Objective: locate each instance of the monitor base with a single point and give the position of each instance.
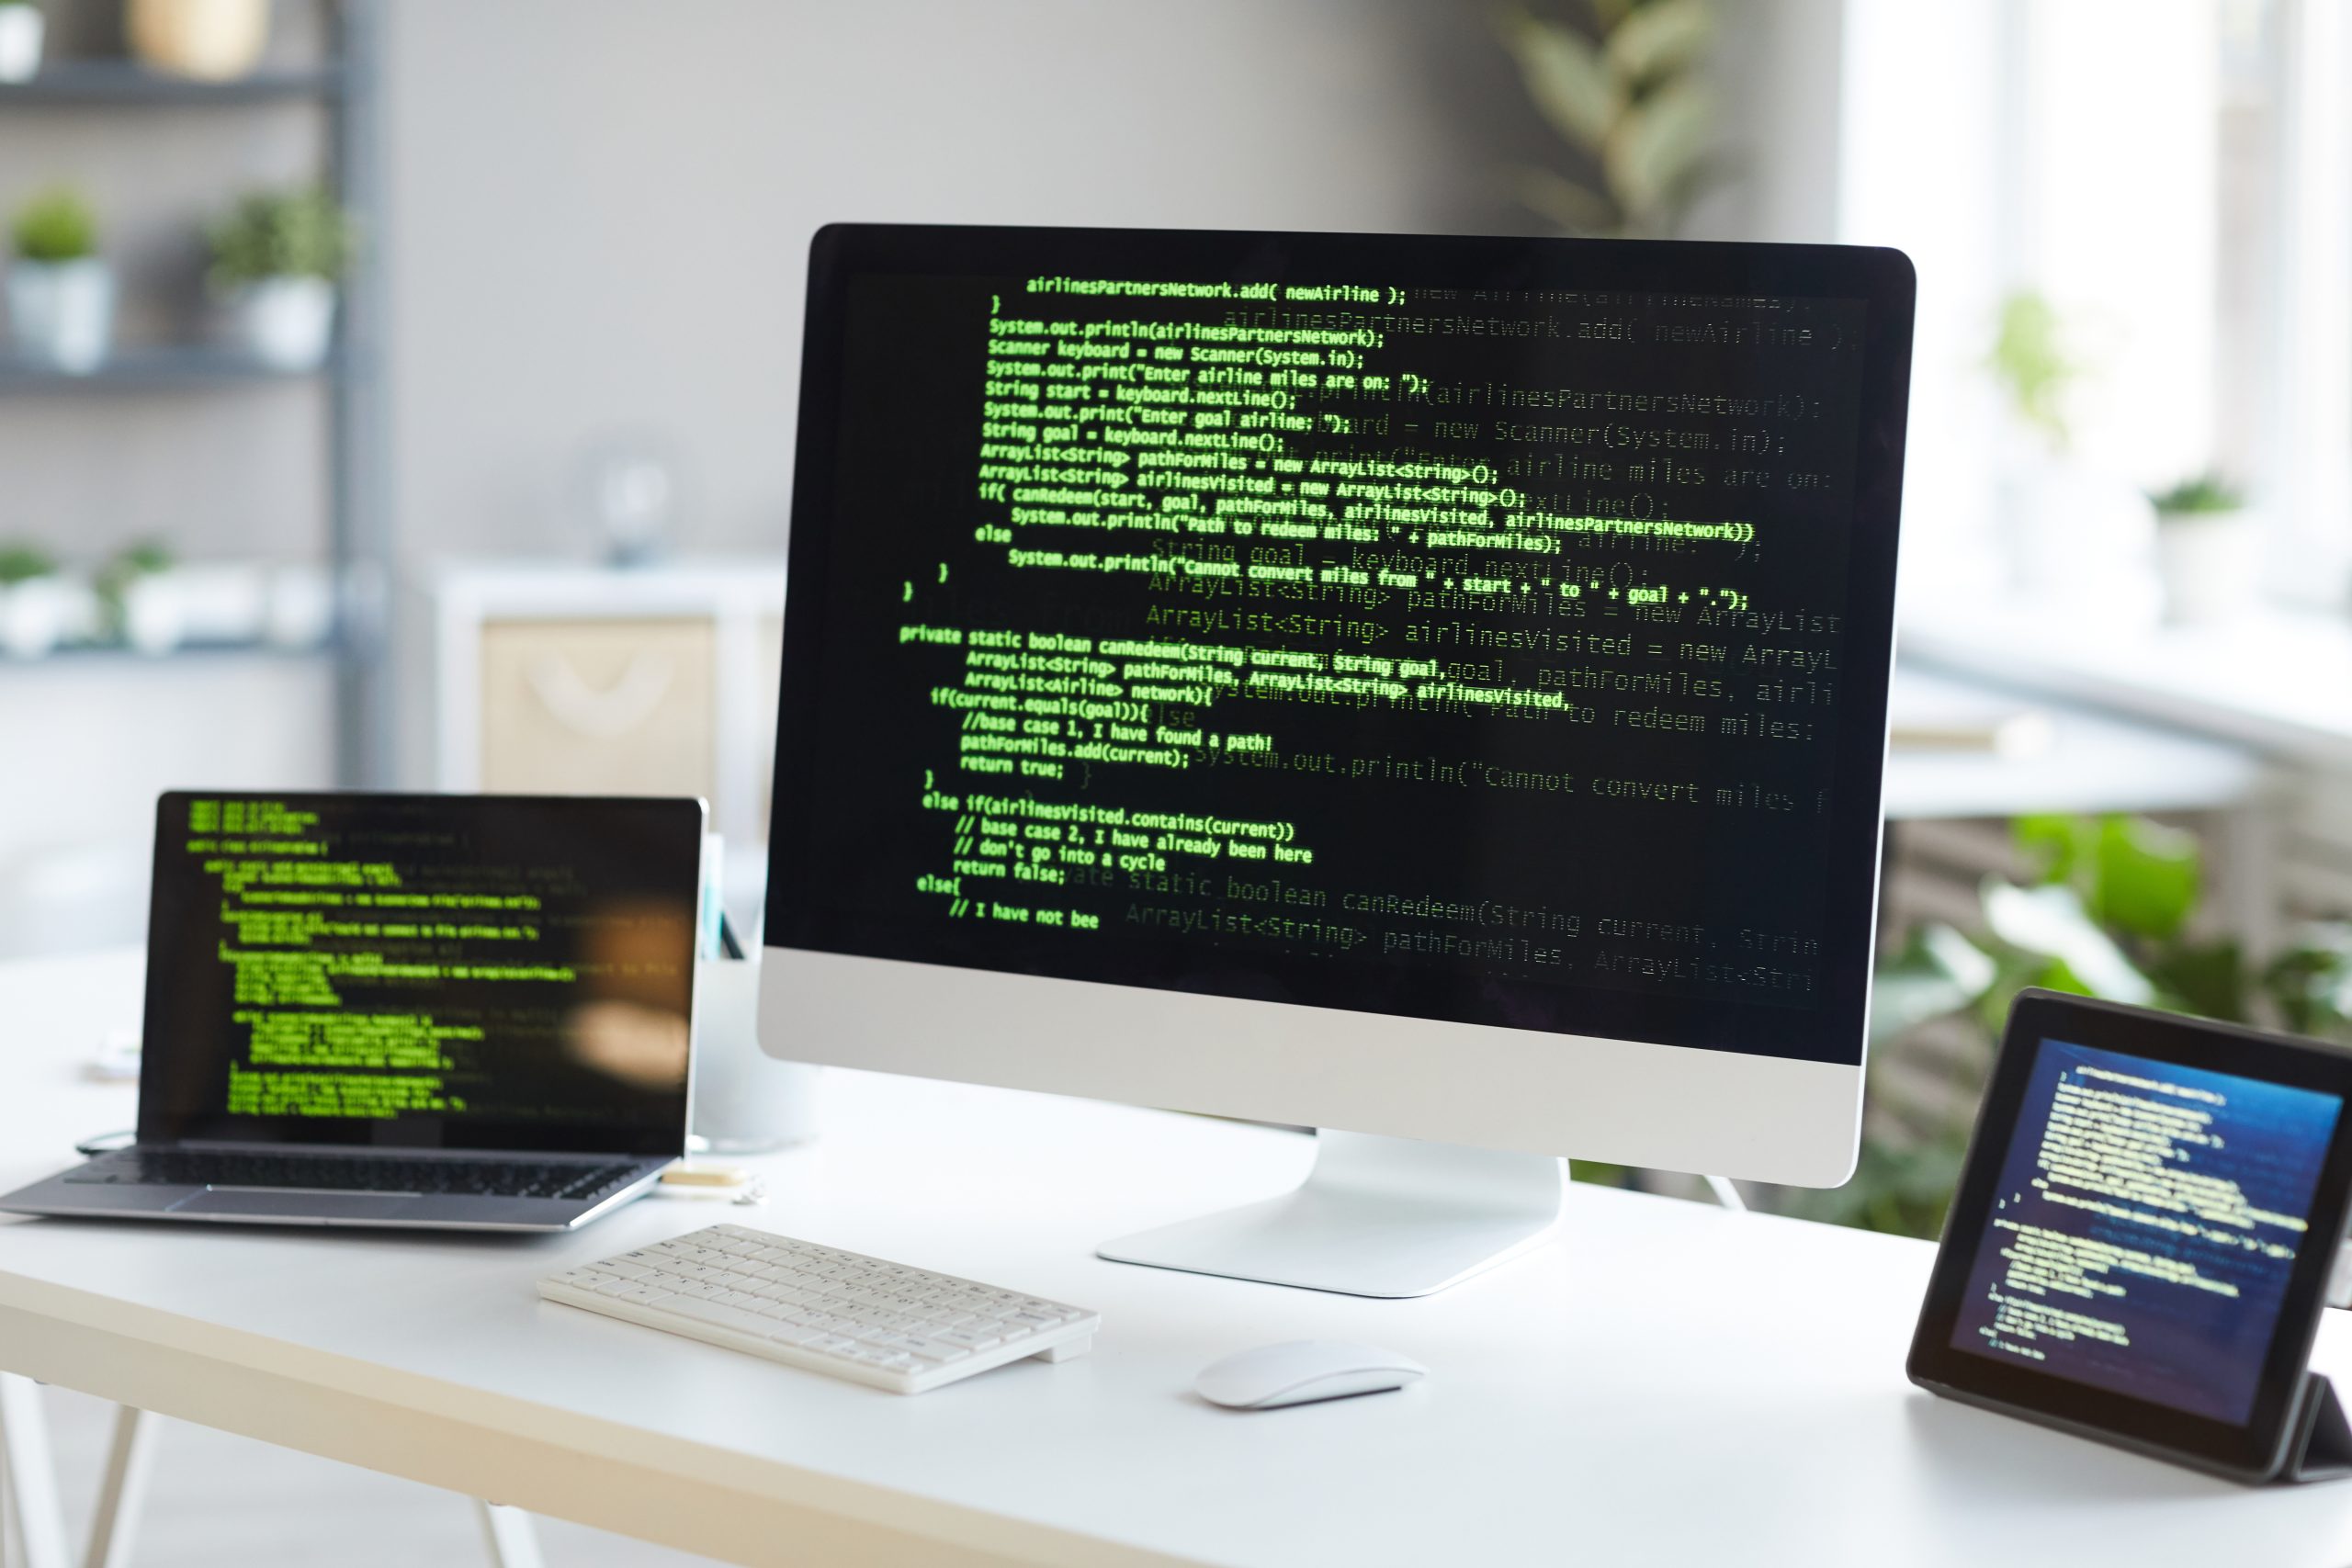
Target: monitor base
(1388, 1217)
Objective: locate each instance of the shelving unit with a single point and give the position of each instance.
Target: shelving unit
(127, 82)
(153, 368)
(344, 86)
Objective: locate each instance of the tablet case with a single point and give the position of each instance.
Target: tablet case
(2317, 1444)
(2321, 1449)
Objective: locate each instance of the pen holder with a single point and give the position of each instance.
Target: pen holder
(745, 1101)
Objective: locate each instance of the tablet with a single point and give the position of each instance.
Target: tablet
(2139, 1246)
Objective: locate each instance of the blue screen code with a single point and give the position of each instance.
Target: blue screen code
(2145, 1226)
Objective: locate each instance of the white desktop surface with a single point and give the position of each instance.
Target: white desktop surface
(1672, 1384)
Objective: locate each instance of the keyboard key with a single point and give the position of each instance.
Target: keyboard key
(643, 1294)
(938, 1350)
(721, 1316)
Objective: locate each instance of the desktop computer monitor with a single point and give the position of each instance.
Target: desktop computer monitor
(1430, 689)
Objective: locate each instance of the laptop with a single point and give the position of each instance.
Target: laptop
(469, 1012)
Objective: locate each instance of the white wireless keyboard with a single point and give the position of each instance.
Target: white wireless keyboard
(829, 1310)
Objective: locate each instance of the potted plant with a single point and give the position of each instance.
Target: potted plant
(33, 603)
(2112, 909)
(20, 39)
(138, 600)
(2208, 551)
(1630, 88)
(276, 257)
(2072, 530)
(60, 295)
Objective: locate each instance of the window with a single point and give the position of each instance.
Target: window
(2175, 178)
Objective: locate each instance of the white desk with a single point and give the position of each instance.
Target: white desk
(1675, 1384)
(2279, 681)
(2094, 761)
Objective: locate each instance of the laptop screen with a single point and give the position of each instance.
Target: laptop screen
(399, 971)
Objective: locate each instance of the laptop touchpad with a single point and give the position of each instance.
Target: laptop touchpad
(295, 1205)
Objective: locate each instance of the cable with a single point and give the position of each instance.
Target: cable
(100, 1145)
(1726, 1193)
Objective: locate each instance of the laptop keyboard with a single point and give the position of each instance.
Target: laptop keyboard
(355, 1173)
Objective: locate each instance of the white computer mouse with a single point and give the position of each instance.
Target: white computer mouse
(1303, 1371)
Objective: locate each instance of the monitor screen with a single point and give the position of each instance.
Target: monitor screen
(1488, 631)
(2144, 1227)
(422, 971)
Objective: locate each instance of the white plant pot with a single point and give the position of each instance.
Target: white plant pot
(34, 616)
(62, 313)
(745, 1101)
(222, 601)
(20, 39)
(2210, 564)
(286, 322)
(154, 613)
(301, 608)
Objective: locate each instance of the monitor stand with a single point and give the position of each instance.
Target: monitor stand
(1375, 1217)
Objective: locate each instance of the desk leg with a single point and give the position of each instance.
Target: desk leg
(123, 1496)
(509, 1534)
(27, 1477)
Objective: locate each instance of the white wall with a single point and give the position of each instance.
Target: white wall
(1777, 65)
(600, 208)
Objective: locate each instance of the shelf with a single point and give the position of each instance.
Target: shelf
(67, 82)
(158, 368)
(337, 84)
(102, 655)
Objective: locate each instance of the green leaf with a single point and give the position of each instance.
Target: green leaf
(2031, 362)
(1960, 958)
(2058, 845)
(2145, 878)
(1565, 78)
(1904, 1190)
(2052, 922)
(2198, 495)
(1577, 209)
(1659, 38)
(2205, 978)
(23, 563)
(1655, 150)
(2311, 983)
(1939, 972)
(1611, 13)
(293, 234)
(56, 225)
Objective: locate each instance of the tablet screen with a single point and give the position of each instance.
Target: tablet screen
(2145, 1226)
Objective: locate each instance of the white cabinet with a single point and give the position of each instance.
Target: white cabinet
(578, 679)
